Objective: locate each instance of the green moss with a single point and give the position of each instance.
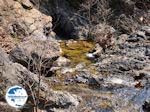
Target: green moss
(71, 87)
(76, 51)
(15, 38)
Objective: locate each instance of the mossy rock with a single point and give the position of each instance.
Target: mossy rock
(76, 51)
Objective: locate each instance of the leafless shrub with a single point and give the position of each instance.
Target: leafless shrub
(104, 35)
(127, 24)
(39, 66)
(103, 11)
(95, 12)
(130, 15)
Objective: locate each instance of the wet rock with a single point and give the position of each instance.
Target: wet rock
(147, 52)
(82, 79)
(146, 106)
(58, 99)
(95, 53)
(146, 29)
(136, 38)
(86, 78)
(142, 97)
(141, 34)
(90, 56)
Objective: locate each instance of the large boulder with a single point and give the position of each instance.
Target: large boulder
(67, 22)
(15, 74)
(62, 61)
(59, 99)
(35, 51)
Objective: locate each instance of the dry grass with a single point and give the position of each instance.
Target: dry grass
(127, 24)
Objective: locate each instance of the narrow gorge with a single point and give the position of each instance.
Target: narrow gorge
(76, 55)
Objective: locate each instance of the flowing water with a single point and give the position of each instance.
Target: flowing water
(108, 92)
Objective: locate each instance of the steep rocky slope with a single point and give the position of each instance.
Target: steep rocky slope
(21, 21)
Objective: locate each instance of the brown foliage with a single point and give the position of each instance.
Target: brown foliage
(104, 36)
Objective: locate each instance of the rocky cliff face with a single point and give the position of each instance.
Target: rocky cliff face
(68, 24)
(72, 19)
(23, 21)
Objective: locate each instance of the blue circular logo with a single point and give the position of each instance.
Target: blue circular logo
(16, 96)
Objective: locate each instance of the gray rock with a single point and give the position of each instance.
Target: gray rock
(135, 38)
(141, 34)
(147, 52)
(62, 61)
(146, 29)
(59, 99)
(65, 70)
(141, 98)
(146, 106)
(44, 49)
(86, 78)
(138, 36)
(25, 21)
(122, 39)
(103, 35)
(33, 52)
(80, 66)
(81, 79)
(16, 74)
(18, 30)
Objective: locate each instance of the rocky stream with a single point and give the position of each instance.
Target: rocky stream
(117, 81)
(76, 74)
